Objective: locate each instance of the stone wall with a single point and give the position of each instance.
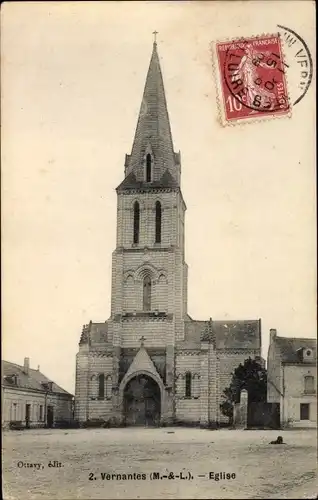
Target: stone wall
(295, 395)
(166, 268)
(16, 399)
(172, 212)
(90, 364)
(155, 331)
(274, 379)
(82, 384)
(62, 406)
(211, 373)
(187, 409)
(13, 406)
(164, 261)
(294, 379)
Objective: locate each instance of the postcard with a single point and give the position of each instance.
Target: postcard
(158, 250)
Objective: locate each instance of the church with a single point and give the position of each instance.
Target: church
(150, 363)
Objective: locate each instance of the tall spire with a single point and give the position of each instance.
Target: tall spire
(153, 134)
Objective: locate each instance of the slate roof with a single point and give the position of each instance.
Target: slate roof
(28, 381)
(195, 330)
(130, 182)
(153, 126)
(225, 334)
(289, 346)
(94, 333)
(244, 334)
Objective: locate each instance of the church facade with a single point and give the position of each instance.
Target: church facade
(150, 363)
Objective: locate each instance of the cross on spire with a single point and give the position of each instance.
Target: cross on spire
(155, 33)
(142, 341)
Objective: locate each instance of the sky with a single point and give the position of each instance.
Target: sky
(72, 82)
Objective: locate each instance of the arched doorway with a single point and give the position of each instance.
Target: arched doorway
(142, 402)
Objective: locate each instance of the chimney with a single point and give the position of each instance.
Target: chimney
(26, 365)
(272, 334)
(38, 368)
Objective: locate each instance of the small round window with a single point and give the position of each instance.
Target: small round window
(308, 353)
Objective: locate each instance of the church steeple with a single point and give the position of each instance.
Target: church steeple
(152, 160)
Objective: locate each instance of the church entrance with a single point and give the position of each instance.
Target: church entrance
(142, 402)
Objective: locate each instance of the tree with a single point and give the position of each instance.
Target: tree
(250, 376)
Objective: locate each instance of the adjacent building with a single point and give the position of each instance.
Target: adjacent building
(150, 362)
(292, 379)
(30, 399)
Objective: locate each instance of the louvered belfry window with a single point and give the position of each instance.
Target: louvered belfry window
(158, 222)
(136, 222)
(148, 168)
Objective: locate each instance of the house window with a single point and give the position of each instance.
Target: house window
(309, 384)
(147, 294)
(136, 221)
(158, 222)
(101, 386)
(12, 379)
(14, 411)
(148, 168)
(27, 415)
(304, 411)
(188, 380)
(41, 413)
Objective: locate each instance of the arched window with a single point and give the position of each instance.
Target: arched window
(188, 380)
(147, 294)
(158, 222)
(136, 221)
(108, 387)
(309, 384)
(148, 168)
(101, 386)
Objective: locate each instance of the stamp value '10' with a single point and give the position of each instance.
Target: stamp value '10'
(252, 79)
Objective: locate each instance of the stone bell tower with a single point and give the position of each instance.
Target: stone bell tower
(149, 273)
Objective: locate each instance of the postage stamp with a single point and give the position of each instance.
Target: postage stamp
(252, 79)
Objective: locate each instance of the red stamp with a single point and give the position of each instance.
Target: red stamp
(252, 78)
